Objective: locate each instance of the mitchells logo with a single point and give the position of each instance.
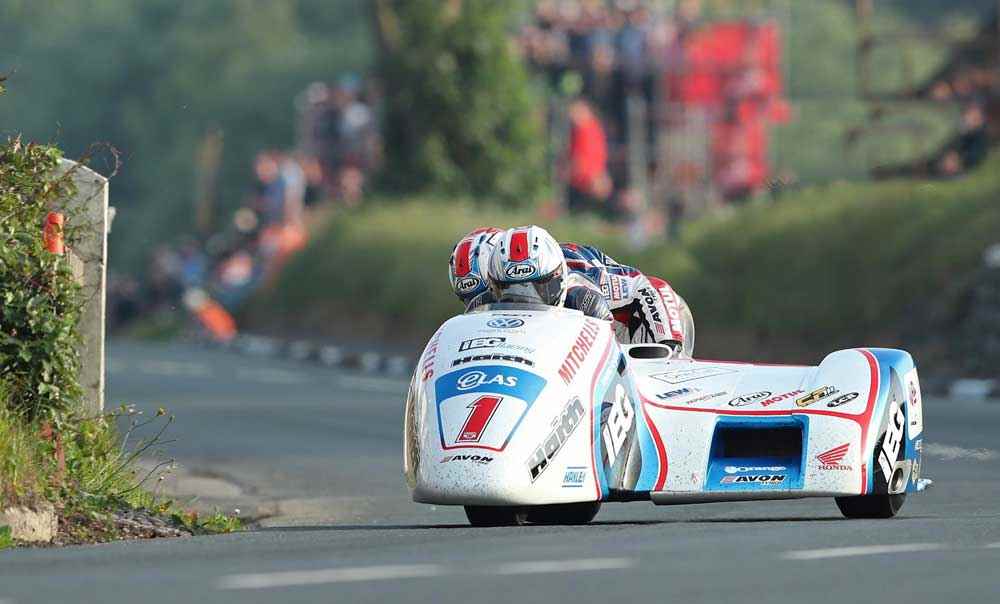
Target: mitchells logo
(505, 323)
(520, 271)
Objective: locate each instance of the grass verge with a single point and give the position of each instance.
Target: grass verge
(84, 468)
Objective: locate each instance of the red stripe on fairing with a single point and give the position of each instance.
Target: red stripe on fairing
(862, 420)
(869, 409)
(661, 451)
(462, 265)
(593, 385)
(519, 246)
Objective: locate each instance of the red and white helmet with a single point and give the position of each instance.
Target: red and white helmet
(528, 266)
(469, 259)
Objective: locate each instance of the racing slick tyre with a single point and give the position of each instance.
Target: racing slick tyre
(495, 515)
(871, 506)
(564, 513)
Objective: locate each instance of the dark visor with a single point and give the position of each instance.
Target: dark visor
(546, 291)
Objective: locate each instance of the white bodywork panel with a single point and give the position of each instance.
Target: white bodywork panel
(528, 407)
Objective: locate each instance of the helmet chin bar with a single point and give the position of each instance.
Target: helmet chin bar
(549, 291)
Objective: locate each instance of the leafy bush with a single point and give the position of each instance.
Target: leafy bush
(460, 113)
(39, 297)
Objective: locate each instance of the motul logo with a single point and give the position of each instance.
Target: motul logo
(831, 459)
(780, 397)
(673, 310)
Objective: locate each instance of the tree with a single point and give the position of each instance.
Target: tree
(460, 111)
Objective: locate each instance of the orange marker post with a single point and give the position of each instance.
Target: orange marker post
(52, 233)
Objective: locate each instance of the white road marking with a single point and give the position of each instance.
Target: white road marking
(330, 575)
(562, 566)
(411, 571)
(372, 384)
(265, 375)
(992, 546)
(6, 601)
(174, 368)
(951, 452)
(861, 550)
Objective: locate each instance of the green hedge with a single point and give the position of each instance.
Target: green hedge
(39, 299)
(385, 266)
(848, 263)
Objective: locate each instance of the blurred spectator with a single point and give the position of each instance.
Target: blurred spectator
(712, 86)
(338, 146)
(587, 156)
(973, 139)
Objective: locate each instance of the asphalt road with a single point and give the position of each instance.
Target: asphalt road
(330, 443)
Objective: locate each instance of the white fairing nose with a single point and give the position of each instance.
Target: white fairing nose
(493, 420)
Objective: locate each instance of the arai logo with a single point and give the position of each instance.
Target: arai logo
(474, 379)
(519, 271)
(467, 284)
(747, 399)
(504, 323)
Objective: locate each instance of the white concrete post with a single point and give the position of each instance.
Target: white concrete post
(89, 209)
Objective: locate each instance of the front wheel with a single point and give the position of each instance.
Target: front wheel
(564, 513)
(495, 515)
(871, 506)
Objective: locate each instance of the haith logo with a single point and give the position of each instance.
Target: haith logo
(831, 459)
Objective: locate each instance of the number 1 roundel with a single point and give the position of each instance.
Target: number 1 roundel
(482, 411)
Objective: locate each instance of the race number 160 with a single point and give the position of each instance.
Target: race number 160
(619, 422)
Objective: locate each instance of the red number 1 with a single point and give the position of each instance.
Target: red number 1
(482, 412)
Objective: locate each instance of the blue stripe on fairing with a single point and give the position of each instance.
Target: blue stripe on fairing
(888, 359)
(600, 389)
(650, 470)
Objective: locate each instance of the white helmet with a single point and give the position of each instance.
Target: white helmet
(468, 263)
(527, 265)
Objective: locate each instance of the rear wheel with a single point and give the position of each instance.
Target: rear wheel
(871, 506)
(564, 513)
(495, 515)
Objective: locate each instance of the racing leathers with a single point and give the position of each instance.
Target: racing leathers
(645, 308)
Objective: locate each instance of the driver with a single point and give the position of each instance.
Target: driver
(645, 308)
(527, 266)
